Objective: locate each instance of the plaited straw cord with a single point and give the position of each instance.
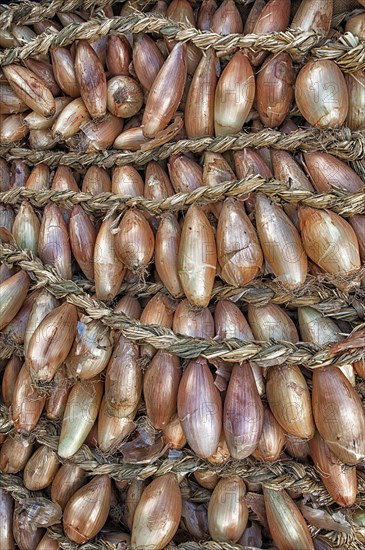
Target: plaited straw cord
(280, 474)
(27, 13)
(342, 143)
(347, 51)
(343, 203)
(232, 350)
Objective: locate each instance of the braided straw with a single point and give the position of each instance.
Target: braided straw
(342, 143)
(232, 350)
(347, 51)
(346, 204)
(27, 13)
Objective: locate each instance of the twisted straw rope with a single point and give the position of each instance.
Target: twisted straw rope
(27, 13)
(347, 51)
(345, 204)
(342, 143)
(232, 350)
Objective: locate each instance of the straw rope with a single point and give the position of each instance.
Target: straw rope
(345, 204)
(27, 13)
(342, 143)
(232, 350)
(347, 51)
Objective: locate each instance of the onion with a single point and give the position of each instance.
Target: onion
(64, 71)
(165, 93)
(243, 413)
(13, 292)
(328, 172)
(127, 181)
(112, 429)
(82, 239)
(96, 180)
(356, 113)
(199, 408)
(39, 178)
(286, 523)
(227, 510)
(312, 15)
(185, 174)
(163, 494)
(12, 129)
(56, 401)
(70, 119)
(44, 304)
(272, 439)
(321, 94)
(87, 510)
(31, 89)
(275, 93)
(40, 469)
(205, 16)
(166, 253)
(15, 453)
(274, 16)
(91, 79)
(134, 241)
(289, 400)
(227, 19)
(10, 375)
(339, 480)
(147, 59)
(118, 55)
(234, 101)
(280, 243)
(6, 515)
(329, 240)
(125, 97)
(271, 322)
(339, 415)
(108, 268)
(239, 251)
(54, 245)
(199, 108)
(66, 482)
(28, 402)
(197, 257)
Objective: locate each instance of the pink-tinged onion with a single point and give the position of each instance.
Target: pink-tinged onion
(109, 270)
(340, 480)
(166, 92)
(91, 78)
(280, 243)
(339, 414)
(328, 172)
(272, 439)
(200, 408)
(243, 413)
(166, 253)
(156, 531)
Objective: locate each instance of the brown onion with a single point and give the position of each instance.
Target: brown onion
(227, 510)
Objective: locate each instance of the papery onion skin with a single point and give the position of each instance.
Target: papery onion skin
(158, 514)
(200, 408)
(338, 414)
(287, 525)
(227, 510)
(321, 94)
(314, 15)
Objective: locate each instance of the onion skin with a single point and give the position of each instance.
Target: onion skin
(125, 97)
(66, 482)
(173, 434)
(272, 439)
(328, 172)
(31, 89)
(44, 304)
(321, 94)
(134, 242)
(15, 452)
(51, 342)
(112, 429)
(289, 400)
(147, 59)
(339, 480)
(163, 373)
(82, 239)
(313, 15)
(271, 322)
(190, 321)
(6, 520)
(40, 469)
(56, 401)
(338, 414)
(274, 85)
(199, 108)
(280, 243)
(356, 114)
(357, 223)
(123, 381)
(197, 262)
(229, 116)
(158, 514)
(13, 292)
(108, 269)
(243, 414)
(227, 510)
(168, 238)
(91, 78)
(239, 251)
(80, 414)
(287, 525)
(165, 93)
(87, 510)
(200, 408)
(329, 240)
(28, 402)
